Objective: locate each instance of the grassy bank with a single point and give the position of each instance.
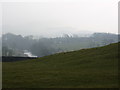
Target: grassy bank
(87, 68)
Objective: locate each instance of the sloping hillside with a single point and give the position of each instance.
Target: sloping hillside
(87, 68)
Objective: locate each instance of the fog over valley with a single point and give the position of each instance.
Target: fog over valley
(51, 19)
(59, 43)
(48, 27)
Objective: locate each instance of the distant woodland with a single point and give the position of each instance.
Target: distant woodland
(14, 45)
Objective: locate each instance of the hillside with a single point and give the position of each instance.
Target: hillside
(86, 68)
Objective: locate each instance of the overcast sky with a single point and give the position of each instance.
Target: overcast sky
(53, 17)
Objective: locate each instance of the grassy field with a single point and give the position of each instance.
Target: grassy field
(87, 68)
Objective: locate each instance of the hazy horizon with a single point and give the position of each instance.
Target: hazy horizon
(55, 18)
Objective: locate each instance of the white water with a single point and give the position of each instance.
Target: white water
(29, 54)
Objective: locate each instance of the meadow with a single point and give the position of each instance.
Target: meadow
(86, 68)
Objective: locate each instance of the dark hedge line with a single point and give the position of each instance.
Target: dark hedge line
(12, 59)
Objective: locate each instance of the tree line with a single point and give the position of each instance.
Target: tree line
(14, 45)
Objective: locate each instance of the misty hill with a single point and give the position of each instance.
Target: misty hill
(86, 68)
(47, 46)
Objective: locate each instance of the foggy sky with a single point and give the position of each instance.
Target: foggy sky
(56, 17)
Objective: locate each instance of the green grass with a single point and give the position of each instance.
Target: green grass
(87, 68)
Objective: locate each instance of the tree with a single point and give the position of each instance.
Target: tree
(6, 51)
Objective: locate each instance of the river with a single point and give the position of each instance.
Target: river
(29, 54)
